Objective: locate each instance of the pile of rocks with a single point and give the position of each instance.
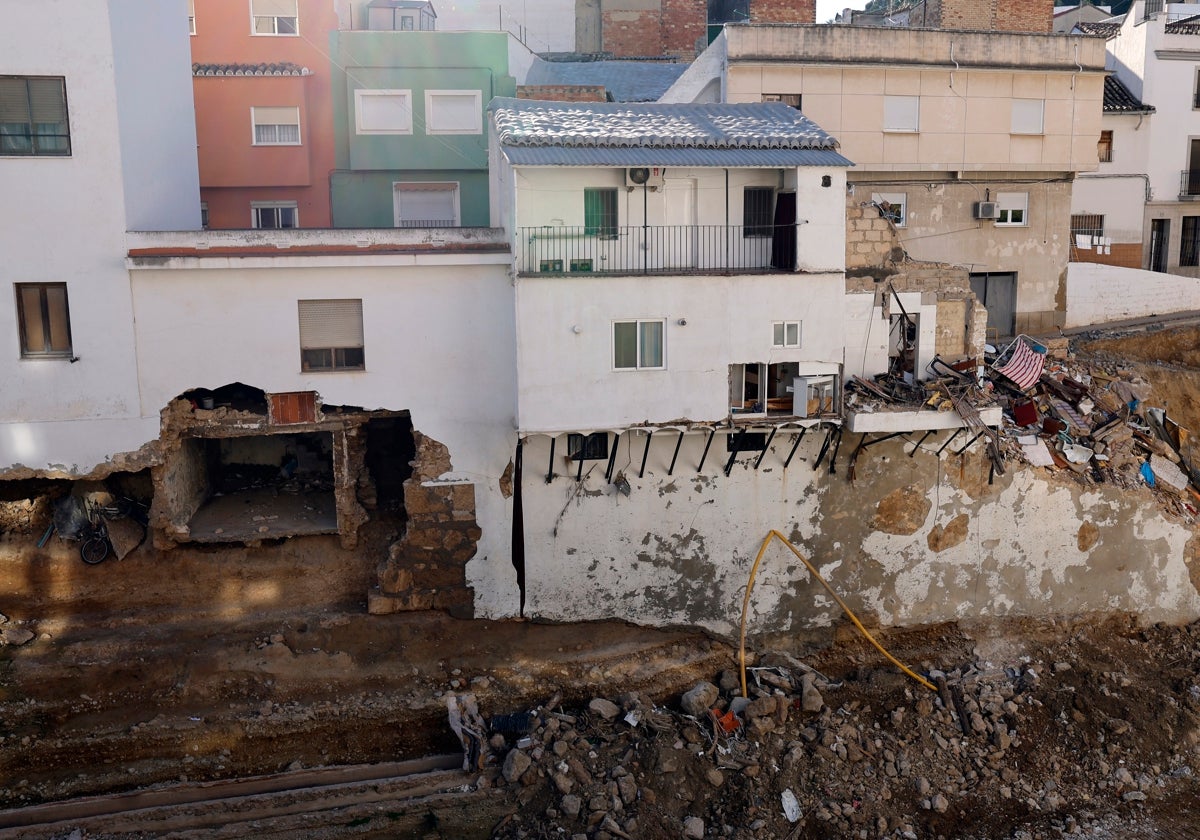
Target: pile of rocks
(804, 756)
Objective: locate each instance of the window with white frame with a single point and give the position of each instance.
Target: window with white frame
(785, 334)
(331, 334)
(191, 17)
(900, 113)
(33, 116)
(276, 126)
(1028, 116)
(892, 206)
(273, 215)
(453, 112)
(638, 345)
(383, 111)
(1014, 209)
(274, 17)
(43, 320)
(422, 204)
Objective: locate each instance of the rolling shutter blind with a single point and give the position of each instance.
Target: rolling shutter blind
(274, 8)
(330, 323)
(455, 112)
(276, 116)
(426, 204)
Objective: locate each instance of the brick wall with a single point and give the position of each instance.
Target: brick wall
(1127, 255)
(985, 15)
(563, 93)
(684, 28)
(783, 11)
(627, 33)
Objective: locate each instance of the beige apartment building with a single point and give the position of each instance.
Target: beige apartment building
(968, 141)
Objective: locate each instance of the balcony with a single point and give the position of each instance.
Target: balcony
(1189, 184)
(671, 249)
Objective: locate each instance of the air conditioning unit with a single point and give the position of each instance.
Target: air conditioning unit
(987, 210)
(644, 176)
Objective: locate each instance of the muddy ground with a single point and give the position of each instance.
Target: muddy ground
(1085, 727)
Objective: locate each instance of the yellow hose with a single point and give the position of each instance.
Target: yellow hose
(773, 534)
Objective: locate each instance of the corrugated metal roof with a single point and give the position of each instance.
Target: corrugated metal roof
(634, 156)
(1119, 100)
(625, 81)
(599, 125)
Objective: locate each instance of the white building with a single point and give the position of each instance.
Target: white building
(679, 309)
(1153, 55)
(97, 136)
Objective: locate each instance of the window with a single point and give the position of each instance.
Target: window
(1196, 90)
(191, 17)
(758, 209)
(274, 214)
(1104, 148)
(383, 111)
(785, 334)
(638, 345)
(593, 447)
(406, 23)
(1087, 224)
(274, 17)
(276, 126)
(1027, 116)
(1014, 209)
(43, 320)
(424, 204)
(900, 113)
(1189, 244)
(204, 215)
(33, 116)
(453, 112)
(600, 212)
(331, 334)
(892, 206)
(792, 99)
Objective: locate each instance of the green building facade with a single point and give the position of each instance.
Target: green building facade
(410, 130)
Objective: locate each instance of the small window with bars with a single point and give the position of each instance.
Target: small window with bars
(1086, 224)
(758, 208)
(600, 212)
(1104, 148)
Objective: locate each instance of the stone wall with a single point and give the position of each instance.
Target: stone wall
(426, 568)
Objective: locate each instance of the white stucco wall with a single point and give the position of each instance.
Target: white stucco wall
(439, 338)
(1097, 294)
(565, 333)
(678, 549)
(1117, 190)
(68, 226)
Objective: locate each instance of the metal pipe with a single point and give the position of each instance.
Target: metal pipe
(711, 434)
(737, 446)
(795, 446)
(766, 446)
(678, 443)
(645, 453)
(921, 441)
(968, 446)
(957, 432)
(550, 466)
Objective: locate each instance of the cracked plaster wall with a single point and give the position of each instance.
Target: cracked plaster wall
(912, 541)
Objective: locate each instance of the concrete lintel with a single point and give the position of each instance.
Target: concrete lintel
(914, 421)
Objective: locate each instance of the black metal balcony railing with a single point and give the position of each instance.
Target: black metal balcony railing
(1189, 183)
(669, 249)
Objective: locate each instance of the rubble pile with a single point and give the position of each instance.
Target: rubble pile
(1093, 421)
(1022, 750)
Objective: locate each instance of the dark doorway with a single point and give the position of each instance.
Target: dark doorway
(997, 291)
(783, 245)
(1160, 239)
(390, 452)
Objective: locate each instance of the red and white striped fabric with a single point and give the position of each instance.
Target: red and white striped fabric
(1024, 366)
